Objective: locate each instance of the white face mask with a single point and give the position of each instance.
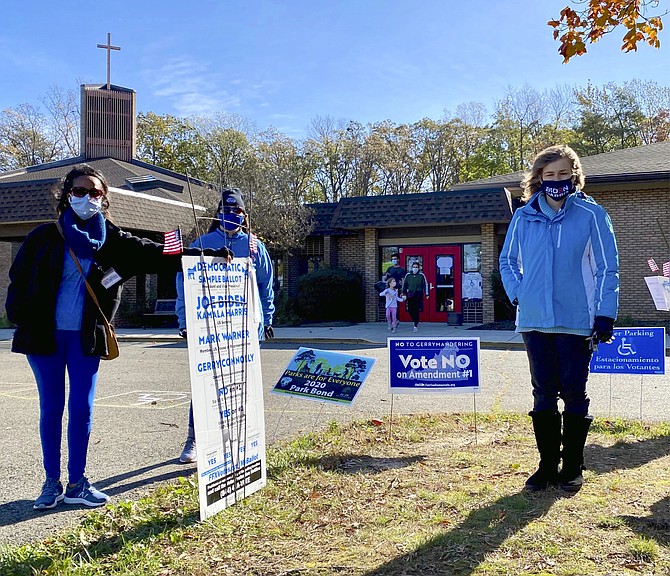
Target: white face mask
(85, 207)
(415, 270)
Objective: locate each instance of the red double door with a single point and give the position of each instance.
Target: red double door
(442, 267)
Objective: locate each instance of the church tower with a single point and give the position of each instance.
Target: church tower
(108, 128)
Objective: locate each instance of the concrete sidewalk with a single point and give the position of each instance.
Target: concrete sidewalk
(364, 333)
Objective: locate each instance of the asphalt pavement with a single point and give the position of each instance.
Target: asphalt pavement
(142, 404)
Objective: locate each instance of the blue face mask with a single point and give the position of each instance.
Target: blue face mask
(231, 221)
(558, 189)
(85, 207)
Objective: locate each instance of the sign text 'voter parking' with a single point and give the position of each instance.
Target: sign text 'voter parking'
(632, 351)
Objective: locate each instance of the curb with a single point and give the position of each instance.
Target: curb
(315, 340)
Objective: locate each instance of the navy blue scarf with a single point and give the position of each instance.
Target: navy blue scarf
(85, 237)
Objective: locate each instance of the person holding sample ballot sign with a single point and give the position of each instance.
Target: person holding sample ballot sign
(65, 287)
(230, 230)
(560, 266)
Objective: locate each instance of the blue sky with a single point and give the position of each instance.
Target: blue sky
(282, 63)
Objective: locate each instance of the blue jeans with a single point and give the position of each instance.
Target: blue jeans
(559, 368)
(49, 371)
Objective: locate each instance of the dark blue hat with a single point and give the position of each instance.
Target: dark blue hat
(232, 197)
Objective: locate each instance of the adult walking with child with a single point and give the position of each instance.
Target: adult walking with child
(414, 287)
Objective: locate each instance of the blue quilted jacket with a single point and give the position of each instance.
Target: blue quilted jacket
(563, 271)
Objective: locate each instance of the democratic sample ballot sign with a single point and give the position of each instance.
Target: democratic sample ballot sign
(632, 351)
(325, 376)
(222, 317)
(433, 365)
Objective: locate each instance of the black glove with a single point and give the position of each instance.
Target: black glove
(603, 329)
(182, 333)
(220, 252)
(268, 332)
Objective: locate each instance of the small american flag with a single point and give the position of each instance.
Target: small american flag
(253, 245)
(666, 269)
(173, 243)
(652, 265)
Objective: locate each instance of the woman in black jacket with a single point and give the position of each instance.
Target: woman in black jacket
(60, 328)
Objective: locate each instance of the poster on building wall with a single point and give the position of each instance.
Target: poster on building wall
(659, 288)
(472, 285)
(222, 315)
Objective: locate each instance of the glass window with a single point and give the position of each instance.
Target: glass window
(444, 283)
(385, 259)
(278, 269)
(411, 260)
(472, 257)
(314, 263)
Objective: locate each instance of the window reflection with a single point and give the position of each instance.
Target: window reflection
(444, 283)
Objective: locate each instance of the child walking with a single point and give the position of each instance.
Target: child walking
(392, 299)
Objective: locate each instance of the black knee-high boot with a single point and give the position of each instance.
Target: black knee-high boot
(575, 430)
(547, 429)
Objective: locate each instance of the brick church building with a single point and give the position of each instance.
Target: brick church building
(457, 235)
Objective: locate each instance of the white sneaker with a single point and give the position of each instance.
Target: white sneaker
(415, 329)
(84, 493)
(189, 454)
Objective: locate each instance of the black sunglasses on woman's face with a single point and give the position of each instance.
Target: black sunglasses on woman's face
(80, 192)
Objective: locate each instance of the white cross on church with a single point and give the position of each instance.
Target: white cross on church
(109, 49)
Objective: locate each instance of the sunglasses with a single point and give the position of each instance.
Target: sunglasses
(231, 210)
(80, 192)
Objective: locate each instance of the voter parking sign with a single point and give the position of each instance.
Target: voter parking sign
(632, 351)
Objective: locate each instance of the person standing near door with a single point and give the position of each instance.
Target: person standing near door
(414, 287)
(560, 264)
(395, 270)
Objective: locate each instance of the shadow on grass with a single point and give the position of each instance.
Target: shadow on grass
(40, 560)
(346, 464)
(364, 464)
(656, 526)
(22, 510)
(461, 550)
(625, 455)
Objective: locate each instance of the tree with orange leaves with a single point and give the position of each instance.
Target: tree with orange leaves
(574, 29)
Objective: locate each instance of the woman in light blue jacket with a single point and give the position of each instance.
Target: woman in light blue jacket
(560, 265)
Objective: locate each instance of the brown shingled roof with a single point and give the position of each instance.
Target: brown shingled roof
(650, 162)
(26, 194)
(426, 209)
(31, 201)
(322, 217)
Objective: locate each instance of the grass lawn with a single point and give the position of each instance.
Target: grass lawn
(432, 499)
